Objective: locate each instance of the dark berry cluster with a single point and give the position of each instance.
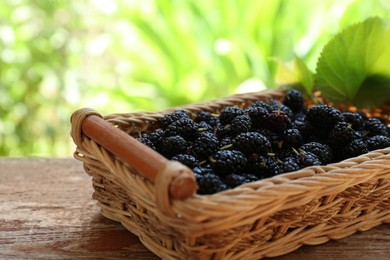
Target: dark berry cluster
(246, 143)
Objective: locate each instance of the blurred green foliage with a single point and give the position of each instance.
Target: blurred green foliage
(125, 56)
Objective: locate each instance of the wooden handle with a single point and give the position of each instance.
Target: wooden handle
(144, 159)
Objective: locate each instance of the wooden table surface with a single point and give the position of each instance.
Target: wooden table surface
(46, 212)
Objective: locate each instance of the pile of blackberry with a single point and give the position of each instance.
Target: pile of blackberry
(246, 143)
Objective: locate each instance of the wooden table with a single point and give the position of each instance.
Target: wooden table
(46, 212)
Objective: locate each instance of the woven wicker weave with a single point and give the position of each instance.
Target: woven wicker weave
(261, 219)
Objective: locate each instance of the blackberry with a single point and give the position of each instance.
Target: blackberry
(184, 127)
(305, 128)
(290, 164)
(316, 137)
(355, 119)
(259, 116)
(275, 106)
(207, 117)
(306, 159)
(226, 143)
(242, 123)
(223, 131)
(354, 148)
(282, 154)
(364, 115)
(229, 113)
(360, 134)
(204, 127)
(252, 142)
(225, 161)
(263, 166)
(322, 151)
(170, 118)
(294, 100)
(209, 183)
(278, 121)
(272, 137)
(172, 145)
(374, 126)
(261, 103)
(272, 168)
(341, 134)
(256, 164)
(233, 180)
(291, 138)
(205, 145)
(273, 103)
(250, 177)
(146, 141)
(324, 117)
(187, 160)
(202, 170)
(378, 142)
(299, 115)
(155, 136)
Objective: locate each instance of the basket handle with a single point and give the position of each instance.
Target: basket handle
(147, 162)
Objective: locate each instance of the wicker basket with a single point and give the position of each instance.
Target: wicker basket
(155, 198)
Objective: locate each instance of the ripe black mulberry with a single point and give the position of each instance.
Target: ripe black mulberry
(224, 162)
(252, 142)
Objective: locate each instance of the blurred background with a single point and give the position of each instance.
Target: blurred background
(127, 55)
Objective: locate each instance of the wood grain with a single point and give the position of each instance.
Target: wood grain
(46, 212)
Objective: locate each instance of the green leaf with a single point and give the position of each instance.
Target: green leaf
(295, 73)
(354, 65)
(375, 90)
(307, 77)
